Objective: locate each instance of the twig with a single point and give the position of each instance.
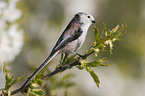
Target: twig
(61, 69)
(58, 70)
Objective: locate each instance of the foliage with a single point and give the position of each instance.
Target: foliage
(102, 39)
(9, 80)
(37, 88)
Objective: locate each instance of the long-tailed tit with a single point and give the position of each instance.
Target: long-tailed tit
(70, 40)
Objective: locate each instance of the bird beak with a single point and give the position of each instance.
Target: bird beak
(93, 21)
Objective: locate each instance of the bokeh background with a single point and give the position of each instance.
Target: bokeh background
(41, 23)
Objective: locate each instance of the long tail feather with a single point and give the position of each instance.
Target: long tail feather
(48, 59)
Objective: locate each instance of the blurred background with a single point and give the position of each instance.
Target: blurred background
(30, 28)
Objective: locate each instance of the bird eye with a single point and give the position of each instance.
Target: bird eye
(89, 17)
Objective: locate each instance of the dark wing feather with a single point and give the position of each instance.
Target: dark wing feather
(71, 33)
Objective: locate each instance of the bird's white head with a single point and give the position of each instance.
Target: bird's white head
(85, 19)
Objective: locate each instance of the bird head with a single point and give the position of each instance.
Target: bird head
(85, 18)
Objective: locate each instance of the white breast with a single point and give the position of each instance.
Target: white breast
(77, 44)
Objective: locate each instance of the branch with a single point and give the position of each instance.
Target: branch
(56, 71)
(61, 69)
(102, 39)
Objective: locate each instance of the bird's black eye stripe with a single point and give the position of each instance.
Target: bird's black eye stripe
(88, 16)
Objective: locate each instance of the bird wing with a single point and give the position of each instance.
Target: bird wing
(62, 43)
(71, 33)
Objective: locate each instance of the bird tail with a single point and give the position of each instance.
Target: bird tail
(47, 60)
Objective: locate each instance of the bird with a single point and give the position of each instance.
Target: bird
(71, 39)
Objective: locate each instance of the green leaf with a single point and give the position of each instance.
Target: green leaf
(99, 62)
(109, 42)
(111, 46)
(105, 30)
(115, 29)
(8, 76)
(34, 85)
(96, 50)
(37, 79)
(15, 81)
(36, 82)
(38, 92)
(101, 47)
(80, 67)
(95, 77)
(97, 34)
(123, 28)
(118, 39)
(90, 50)
(31, 94)
(72, 58)
(35, 90)
(39, 82)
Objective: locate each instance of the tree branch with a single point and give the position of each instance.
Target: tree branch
(61, 69)
(58, 70)
(102, 39)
